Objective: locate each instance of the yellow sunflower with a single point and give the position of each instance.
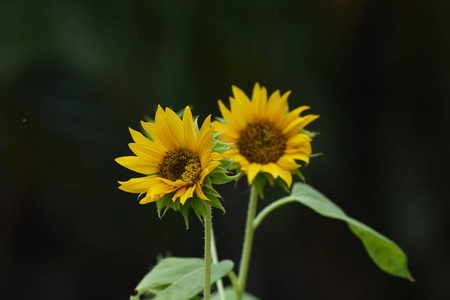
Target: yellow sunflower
(266, 137)
(175, 161)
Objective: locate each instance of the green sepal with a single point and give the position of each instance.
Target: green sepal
(180, 113)
(259, 182)
(270, 179)
(221, 120)
(198, 205)
(215, 202)
(207, 182)
(281, 183)
(310, 133)
(300, 175)
(219, 176)
(219, 146)
(211, 191)
(226, 163)
(197, 129)
(164, 202)
(184, 210)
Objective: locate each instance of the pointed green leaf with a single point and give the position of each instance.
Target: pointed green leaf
(193, 283)
(183, 278)
(167, 271)
(384, 252)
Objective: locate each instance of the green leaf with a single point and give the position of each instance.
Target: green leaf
(384, 252)
(231, 295)
(183, 278)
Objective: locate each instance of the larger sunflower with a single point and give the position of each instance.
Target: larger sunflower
(266, 137)
(179, 162)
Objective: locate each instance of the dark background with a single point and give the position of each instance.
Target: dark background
(74, 75)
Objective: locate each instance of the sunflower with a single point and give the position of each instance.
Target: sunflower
(176, 161)
(266, 137)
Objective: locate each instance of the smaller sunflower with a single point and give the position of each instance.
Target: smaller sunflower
(179, 162)
(266, 137)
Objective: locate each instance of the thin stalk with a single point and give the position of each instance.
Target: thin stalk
(234, 282)
(207, 290)
(268, 209)
(248, 241)
(215, 260)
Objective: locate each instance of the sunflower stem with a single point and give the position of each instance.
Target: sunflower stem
(208, 222)
(215, 260)
(248, 241)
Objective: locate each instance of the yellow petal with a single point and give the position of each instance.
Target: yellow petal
(160, 188)
(272, 169)
(150, 198)
(286, 176)
(242, 115)
(240, 96)
(149, 152)
(292, 116)
(204, 141)
(178, 193)
(164, 130)
(139, 137)
(228, 117)
(188, 127)
(188, 194)
(176, 127)
(138, 164)
(199, 192)
(136, 185)
(299, 155)
(297, 126)
(252, 171)
(277, 106)
(298, 140)
(287, 163)
(227, 134)
(257, 106)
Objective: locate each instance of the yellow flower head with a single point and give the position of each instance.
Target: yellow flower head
(266, 137)
(178, 161)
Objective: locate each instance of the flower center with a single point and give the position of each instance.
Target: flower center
(180, 164)
(261, 142)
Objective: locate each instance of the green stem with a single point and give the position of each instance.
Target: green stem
(234, 282)
(269, 209)
(207, 290)
(248, 241)
(215, 260)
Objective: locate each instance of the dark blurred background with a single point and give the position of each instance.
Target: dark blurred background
(74, 75)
